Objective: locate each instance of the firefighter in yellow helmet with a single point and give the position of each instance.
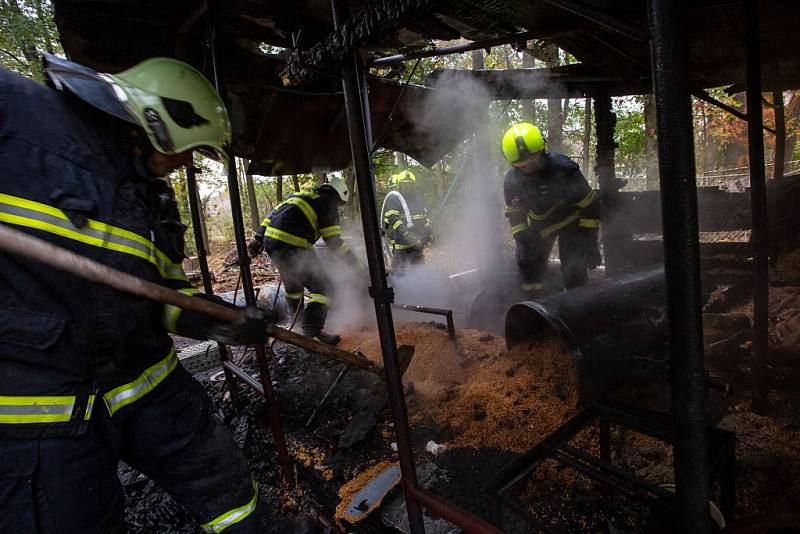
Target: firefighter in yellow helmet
(406, 225)
(547, 197)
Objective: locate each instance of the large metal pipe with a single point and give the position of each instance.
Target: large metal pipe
(605, 326)
(677, 176)
(758, 204)
(271, 406)
(358, 129)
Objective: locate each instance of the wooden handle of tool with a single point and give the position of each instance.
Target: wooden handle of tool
(27, 246)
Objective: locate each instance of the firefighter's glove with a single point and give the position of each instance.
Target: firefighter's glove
(255, 247)
(251, 327)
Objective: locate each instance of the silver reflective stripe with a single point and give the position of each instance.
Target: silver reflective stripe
(147, 381)
(36, 409)
(231, 517)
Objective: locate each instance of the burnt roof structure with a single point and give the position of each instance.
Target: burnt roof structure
(280, 106)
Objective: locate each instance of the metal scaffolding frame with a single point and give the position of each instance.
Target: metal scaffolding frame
(669, 50)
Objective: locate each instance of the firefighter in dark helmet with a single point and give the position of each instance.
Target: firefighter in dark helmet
(546, 198)
(288, 235)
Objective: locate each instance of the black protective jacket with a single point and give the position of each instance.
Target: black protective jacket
(553, 197)
(67, 346)
(400, 234)
(300, 220)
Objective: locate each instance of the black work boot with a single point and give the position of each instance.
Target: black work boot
(329, 339)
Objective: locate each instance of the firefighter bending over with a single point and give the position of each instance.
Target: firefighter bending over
(89, 376)
(547, 197)
(405, 221)
(288, 235)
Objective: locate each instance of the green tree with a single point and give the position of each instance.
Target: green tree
(27, 30)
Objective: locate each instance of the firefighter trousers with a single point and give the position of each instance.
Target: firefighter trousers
(533, 252)
(302, 269)
(70, 485)
(404, 258)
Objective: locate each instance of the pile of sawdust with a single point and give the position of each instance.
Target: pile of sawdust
(483, 395)
(352, 487)
(768, 466)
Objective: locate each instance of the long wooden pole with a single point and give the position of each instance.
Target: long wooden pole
(27, 246)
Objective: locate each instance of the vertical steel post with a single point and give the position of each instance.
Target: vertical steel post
(272, 417)
(677, 176)
(358, 128)
(194, 209)
(758, 202)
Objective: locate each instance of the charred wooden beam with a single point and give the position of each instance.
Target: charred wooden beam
(379, 18)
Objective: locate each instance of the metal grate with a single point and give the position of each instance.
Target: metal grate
(201, 357)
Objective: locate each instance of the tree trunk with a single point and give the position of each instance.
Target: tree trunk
(252, 201)
(555, 113)
(352, 202)
(587, 139)
(320, 178)
(650, 144)
(203, 215)
(735, 152)
(296, 183)
(780, 135)
(528, 106)
(279, 189)
(792, 110)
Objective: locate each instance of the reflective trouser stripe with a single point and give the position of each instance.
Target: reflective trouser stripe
(307, 210)
(280, 235)
(25, 409)
(589, 223)
(30, 214)
(518, 228)
(330, 231)
(172, 313)
(231, 517)
(588, 199)
(319, 298)
(398, 224)
(147, 381)
(531, 286)
(418, 217)
(389, 213)
(401, 247)
(558, 226)
(89, 407)
(295, 296)
(537, 217)
(510, 209)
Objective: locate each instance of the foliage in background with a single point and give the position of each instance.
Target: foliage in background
(27, 30)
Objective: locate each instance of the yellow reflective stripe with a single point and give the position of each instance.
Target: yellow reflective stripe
(36, 409)
(319, 298)
(518, 228)
(30, 214)
(402, 247)
(286, 237)
(537, 217)
(341, 249)
(147, 381)
(231, 517)
(589, 223)
(389, 213)
(89, 406)
(511, 209)
(588, 199)
(307, 210)
(531, 286)
(172, 313)
(417, 217)
(295, 296)
(397, 224)
(330, 231)
(558, 226)
(266, 222)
